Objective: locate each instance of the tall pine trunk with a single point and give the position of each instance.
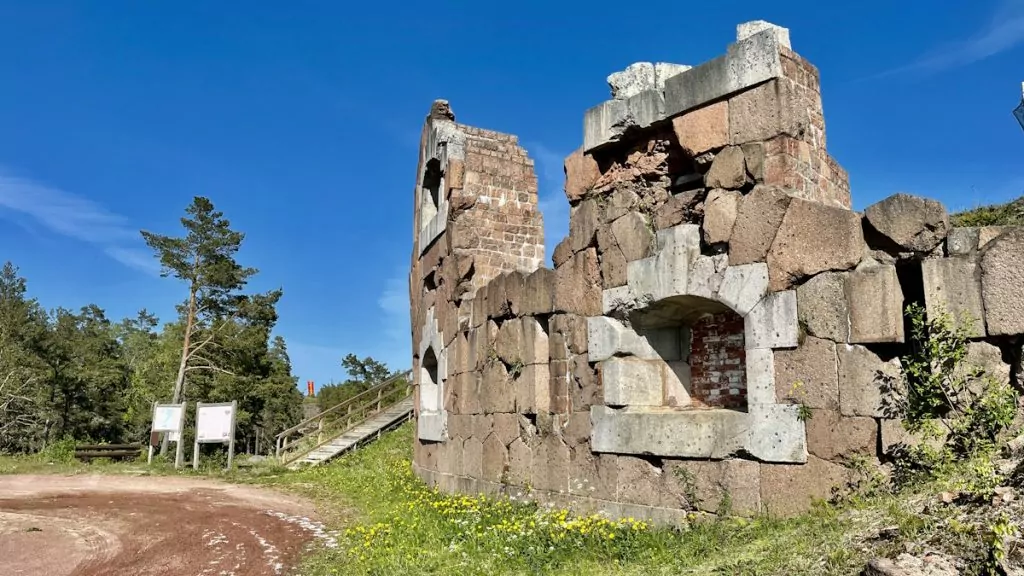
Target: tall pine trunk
(179, 383)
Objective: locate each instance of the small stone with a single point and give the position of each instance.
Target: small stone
(636, 78)
(581, 172)
(703, 129)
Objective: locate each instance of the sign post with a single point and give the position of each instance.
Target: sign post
(215, 424)
(168, 419)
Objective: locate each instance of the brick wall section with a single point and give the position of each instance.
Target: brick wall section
(501, 227)
(717, 361)
(803, 164)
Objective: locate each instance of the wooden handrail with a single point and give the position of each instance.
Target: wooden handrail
(343, 403)
(358, 403)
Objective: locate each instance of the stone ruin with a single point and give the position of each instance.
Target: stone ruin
(715, 279)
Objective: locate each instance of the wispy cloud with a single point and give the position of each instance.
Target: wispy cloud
(75, 217)
(394, 332)
(553, 203)
(1004, 31)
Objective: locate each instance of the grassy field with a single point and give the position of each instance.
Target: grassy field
(391, 523)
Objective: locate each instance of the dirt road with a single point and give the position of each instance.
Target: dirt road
(115, 525)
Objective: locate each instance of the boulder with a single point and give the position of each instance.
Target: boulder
(584, 220)
(822, 306)
(634, 236)
(814, 238)
(581, 172)
(720, 211)
(728, 170)
(913, 223)
(864, 379)
(1001, 264)
(757, 222)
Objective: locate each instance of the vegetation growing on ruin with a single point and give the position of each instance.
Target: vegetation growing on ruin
(1008, 214)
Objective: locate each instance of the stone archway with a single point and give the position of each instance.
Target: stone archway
(649, 389)
(432, 418)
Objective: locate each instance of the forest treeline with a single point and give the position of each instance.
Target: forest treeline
(81, 375)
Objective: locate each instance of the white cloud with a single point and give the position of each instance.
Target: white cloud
(1004, 31)
(553, 203)
(76, 217)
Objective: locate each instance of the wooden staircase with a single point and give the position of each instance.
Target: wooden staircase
(345, 426)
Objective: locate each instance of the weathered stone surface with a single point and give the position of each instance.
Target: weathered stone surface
(505, 427)
(748, 29)
(807, 375)
(585, 388)
(551, 465)
(704, 485)
(574, 329)
(690, 434)
(533, 394)
(1001, 265)
(743, 286)
(987, 234)
(677, 378)
(666, 273)
(772, 322)
(619, 203)
(581, 172)
(632, 382)
(814, 238)
(777, 434)
(876, 304)
(634, 236)
(962, 241)
(482, 425)
(788, 490)
(495, 460)
(584, 220)
(822, 306)
(592, 475)
(757, 222)
(607, 337)
(750, 62)
(605, 123)
(761, 384)
(728, 170)
(636, 78)
(613, 262)
(578, 285)
(576, 428)
(953, 285)
(538, 293)
(989, 358)
(509, 343)
(706, 276)
(831, 436)
(515, 288)
(562, 252)
(703, 129)
(766, 111)
(496, 390)
(637, 481)
(535, 342)
(913, 223)
(473, 457)
(753, 155)
(862, 375)
(720, 210)
(520, 463)
(680, 208)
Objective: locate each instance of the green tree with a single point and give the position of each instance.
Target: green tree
(204, 259)
(22, 370)
(363, 374)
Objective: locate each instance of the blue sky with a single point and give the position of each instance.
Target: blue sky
(301, 119)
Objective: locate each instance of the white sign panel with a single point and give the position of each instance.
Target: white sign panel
(167, 417)
(214, 423)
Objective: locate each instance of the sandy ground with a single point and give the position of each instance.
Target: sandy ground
(113, 525)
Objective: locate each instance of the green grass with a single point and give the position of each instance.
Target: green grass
(1009, 214)
(391, 523)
